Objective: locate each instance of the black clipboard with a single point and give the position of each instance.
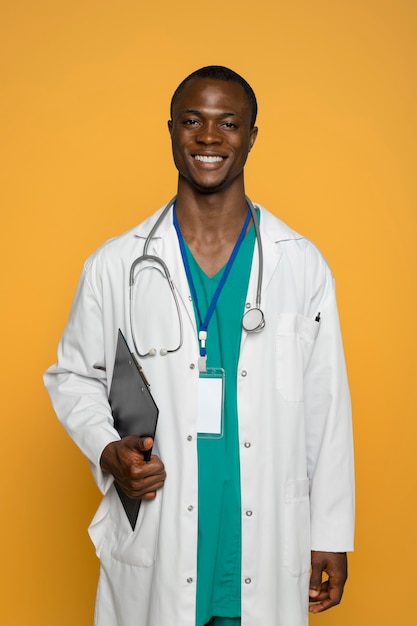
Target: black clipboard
(133, 408)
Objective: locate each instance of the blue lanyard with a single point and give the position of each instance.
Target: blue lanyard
(203, 324)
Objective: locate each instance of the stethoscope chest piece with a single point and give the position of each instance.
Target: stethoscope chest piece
(253, 320)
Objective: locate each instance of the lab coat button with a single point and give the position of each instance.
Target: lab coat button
(192, 366)
(191, 508)
(248, 581)
(248, 305)
(247, 444)
(244, 373)
(189, 438)
(248, 513)
(189, 580)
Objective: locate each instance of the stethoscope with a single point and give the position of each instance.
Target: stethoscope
(253, 319)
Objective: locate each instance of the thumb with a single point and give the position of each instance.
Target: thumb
(142, 444)
(315, 580)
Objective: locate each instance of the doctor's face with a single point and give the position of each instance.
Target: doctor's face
(211, 134)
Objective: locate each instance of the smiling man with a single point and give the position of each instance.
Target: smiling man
(247, 500)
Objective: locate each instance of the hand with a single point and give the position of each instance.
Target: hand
(328, 593)
(125, 460)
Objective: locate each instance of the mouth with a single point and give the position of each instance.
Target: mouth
(208, 159)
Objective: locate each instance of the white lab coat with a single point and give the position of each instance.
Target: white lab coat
(294, 429)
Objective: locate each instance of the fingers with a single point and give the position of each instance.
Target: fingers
(140, 479)
(323, 600)
(326, 594)
(328, 597)
(127, 462)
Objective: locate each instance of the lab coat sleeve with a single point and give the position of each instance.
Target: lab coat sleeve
(77, 383)
(329, 434)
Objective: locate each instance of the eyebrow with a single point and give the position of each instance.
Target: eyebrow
(222, 115)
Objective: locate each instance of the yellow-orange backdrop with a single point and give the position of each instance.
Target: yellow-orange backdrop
(84, 93)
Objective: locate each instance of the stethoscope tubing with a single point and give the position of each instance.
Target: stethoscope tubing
(149, 257)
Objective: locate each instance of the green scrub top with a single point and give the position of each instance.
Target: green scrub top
(219, 503)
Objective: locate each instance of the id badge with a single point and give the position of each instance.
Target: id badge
(210, 403)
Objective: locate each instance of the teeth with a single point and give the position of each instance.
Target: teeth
(208, 159)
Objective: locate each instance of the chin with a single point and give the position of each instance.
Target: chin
(210, 187)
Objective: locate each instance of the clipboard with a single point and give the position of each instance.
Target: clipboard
(133, 408)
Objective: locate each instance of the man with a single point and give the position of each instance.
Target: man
(240, 517)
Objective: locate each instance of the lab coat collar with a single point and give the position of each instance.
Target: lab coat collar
(165, 243)
(272, 228)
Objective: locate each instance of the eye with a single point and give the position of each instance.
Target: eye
(190, 122)
(229, 125)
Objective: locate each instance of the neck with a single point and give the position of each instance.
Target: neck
(210, 214)
(210, 224)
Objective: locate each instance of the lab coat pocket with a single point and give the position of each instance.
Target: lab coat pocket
(134, 547)
(297, 557)
(295, 339)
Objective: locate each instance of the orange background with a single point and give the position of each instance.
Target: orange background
(85, 154)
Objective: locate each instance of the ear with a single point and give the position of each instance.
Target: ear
(252, 137)
(170, 126)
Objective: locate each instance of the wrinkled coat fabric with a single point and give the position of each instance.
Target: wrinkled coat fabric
(294, 429)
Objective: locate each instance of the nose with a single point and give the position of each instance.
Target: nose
(209, 133)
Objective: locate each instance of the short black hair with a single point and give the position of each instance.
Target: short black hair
(219, 72)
